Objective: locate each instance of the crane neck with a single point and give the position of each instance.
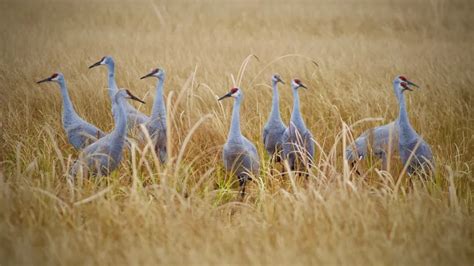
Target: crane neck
(235, 133)
(275, 112)
(68, 111)
(406, 130)
(296, 118)
(120, 119)
(159, 111)
(111, 79)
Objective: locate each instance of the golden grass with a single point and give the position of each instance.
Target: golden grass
(186, 212)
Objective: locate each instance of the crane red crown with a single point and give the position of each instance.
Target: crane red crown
(233, 90)
(54, 75)
(297, 81)
(403, 78)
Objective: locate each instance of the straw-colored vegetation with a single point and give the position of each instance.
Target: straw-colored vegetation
(188, 212)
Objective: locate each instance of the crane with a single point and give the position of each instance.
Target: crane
(415, 153)
(298, 145)
(79, 132)
(239, 154)
(156, 125)
(379, 141)
(135, 117)
(103, 156)
(384, 140)
(275, 128)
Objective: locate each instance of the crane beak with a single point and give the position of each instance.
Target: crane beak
(133, 97)
(412, 84)
(225, 96)
(280, 80)
(303, 86)
(44, 80)
(148, 75)
(95, 64)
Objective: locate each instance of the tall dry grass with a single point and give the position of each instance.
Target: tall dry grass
(186, 212)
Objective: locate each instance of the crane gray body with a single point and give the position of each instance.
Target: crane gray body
(274, 129)
(298, 145)
(79, 132)
(239, 154)
(156, 125)
(379, 142)
(103, 156)
(415, 153)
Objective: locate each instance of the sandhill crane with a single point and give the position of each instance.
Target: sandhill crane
(79, 132)
(239, 154)
(135, 117)
(379, 141)
(156, 126)
(103, 156)
(384, 140)
(415, 153)
(298, 145)
(275, 128)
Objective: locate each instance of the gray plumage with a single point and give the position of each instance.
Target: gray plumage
(103, 156)
(274, 129)
(156, 125)
(415, 153)
(135, 117)
(298, 145)
(397, 135)
(379, 142)
(239, 154)
(79, 132)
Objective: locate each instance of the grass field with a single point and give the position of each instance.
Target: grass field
(188, 211)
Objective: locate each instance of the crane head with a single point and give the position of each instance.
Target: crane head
(276, 78)
(157, 73)
(404, 84)
(296, 84)
(125, 93)
(55, 77)
(103, 61)
(234, 92)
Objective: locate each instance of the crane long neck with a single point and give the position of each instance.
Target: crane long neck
(235, 124)
(403, 114)
(407, 133)
(112, 83)
(296, 118)
(159, 110)
(68, 111)
(120, 119)
(275, 112)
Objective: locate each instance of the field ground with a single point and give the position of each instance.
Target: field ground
(187, 212)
